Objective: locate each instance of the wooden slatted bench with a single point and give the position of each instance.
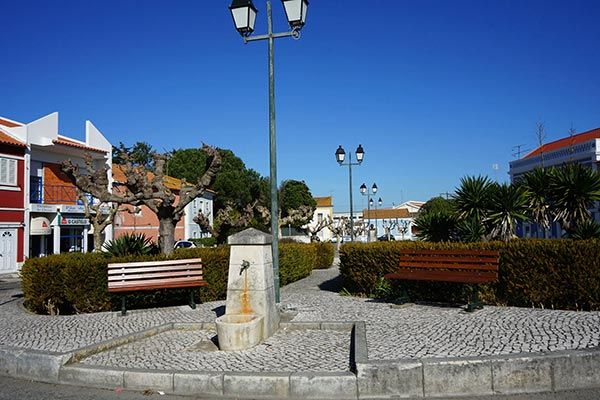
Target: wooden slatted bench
(462, 266)
(152, 275)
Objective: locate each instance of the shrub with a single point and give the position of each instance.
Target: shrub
(205, 242)
(296, 261)
(545, 273)
(324, 254)
(76, 282)
(131, 244)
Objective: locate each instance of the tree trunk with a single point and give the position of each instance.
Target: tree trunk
(166, 239)
(98, 240)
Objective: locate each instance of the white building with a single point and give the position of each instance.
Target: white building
(54, 220)
(323, 213)
(203, 204)
(583, 148)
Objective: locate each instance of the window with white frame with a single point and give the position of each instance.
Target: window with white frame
(8, 171)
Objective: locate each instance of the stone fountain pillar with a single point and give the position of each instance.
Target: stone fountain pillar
(251, 314)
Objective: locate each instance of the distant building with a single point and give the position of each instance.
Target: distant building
(143, 220)
(53, 218)
(583, 148)
(12, 205)
(323, 212)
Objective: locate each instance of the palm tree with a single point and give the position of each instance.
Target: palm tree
(436, 226)
(472, 199)
(586, 230)
(507, 206)
(537, 185)
(574, 189)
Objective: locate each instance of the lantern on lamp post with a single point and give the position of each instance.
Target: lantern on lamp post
(244, 13)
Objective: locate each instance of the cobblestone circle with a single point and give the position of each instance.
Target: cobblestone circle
(392, 333)
(286, 351)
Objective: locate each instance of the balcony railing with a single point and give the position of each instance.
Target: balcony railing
(53, 194)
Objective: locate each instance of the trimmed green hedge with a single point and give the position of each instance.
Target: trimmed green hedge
(77, 283)
(543, 273)
(325, 253)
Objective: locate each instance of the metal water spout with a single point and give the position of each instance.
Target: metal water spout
(245, 266)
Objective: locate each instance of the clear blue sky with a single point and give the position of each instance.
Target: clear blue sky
(433, 90)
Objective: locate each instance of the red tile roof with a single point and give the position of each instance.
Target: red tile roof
(566, 142)
(383, 213)
(7, 139)
(324, 201)
(169, 181)
(66, 142)
(8, 123)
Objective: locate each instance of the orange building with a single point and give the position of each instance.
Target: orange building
(141, 219)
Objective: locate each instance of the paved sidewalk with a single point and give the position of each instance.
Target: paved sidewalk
(334, 347)
(411, 332)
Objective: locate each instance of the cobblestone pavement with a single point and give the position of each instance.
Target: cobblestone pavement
(410, 332)
(286, 351)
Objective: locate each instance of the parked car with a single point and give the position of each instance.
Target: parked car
(384, 238)
(184, 244)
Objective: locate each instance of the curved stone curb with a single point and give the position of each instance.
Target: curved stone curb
(429, 377)
(474, 376)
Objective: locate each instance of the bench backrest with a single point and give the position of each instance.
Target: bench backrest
(123, 277)
(474, 266)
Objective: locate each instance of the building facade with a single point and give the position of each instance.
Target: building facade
(583, 148)
(323, 214)
(53, 215)
(142, 220)
(12, 205)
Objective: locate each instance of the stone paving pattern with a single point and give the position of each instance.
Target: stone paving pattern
(192, 350)
(392, 333)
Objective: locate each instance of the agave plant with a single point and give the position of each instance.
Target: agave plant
(436, 226)
(586, 230)
(472, 198)
(470, 230)
(507, 206)
(537, 185)
(131, 244)
(574, 189)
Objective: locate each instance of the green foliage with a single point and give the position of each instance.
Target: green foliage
(324, 254)
(537, 186)
(77, 283)
(141, 153)
(437, 204)
(586, 230)
(188, 164)
(507, 206)
(294, 195)
(574, 190)
(544, 273)
(470, 231)
(131, 244)
(296, 261)
(472, 198)
(205, 242)
(436, 226)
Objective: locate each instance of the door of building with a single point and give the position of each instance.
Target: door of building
(8, 250)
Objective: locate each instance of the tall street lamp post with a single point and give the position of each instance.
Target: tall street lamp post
(244, 17)
(365, 192)
(340, 156)
(379, 203)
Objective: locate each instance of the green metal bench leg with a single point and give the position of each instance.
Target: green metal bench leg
(123, 308)
(475, 303)
(192, 303)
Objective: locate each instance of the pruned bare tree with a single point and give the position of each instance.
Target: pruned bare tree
(146, 186)
(541, 137)
(203, 222)
(314, 230)
(100, 215)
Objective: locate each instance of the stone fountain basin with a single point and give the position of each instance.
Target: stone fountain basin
(239, 331)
